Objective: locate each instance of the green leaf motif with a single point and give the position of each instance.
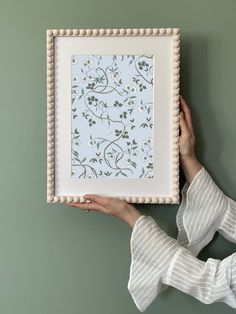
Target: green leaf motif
(93, 160)
(144, 125)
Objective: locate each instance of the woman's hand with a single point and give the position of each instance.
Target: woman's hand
(188, 159)
(111, 206)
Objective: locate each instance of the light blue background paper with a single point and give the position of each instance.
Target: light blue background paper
(112, 116)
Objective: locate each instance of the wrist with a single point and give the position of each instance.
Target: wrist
(130, 215)
(188, 162)
(191, 166)
(189, 157)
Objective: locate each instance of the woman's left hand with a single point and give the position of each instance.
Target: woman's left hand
(111, 206)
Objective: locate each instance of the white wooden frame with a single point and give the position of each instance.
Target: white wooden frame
(54, 120)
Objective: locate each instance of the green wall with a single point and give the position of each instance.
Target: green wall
(56, 259)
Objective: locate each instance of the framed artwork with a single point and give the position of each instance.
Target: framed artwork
(113, 114)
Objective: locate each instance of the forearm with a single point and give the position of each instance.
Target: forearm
(191, 167)
(130, 215)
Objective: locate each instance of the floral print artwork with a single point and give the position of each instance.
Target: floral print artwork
(112, 116)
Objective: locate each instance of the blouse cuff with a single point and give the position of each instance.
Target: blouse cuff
(200, 212)
(151, 252)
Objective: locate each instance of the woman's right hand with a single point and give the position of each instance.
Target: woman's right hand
(188, 160)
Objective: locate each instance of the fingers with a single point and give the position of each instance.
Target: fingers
(90, 206)
(183, 125)
(97, 202)
(187, 114)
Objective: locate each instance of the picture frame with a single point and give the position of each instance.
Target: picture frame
(162, 46)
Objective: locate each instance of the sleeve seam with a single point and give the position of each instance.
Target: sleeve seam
(187, 188)
(131, 241)
(136, 226)
(225, 215)
(192, 183)
(170, 269)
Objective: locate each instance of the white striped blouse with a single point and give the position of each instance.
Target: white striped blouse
(159, 261)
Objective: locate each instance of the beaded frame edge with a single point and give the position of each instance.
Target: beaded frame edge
(50, 34)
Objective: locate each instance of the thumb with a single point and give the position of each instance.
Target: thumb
(97, 199)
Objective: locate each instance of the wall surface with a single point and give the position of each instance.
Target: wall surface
(55, 259)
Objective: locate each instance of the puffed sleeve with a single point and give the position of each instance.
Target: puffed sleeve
(158, 260)
(204, 209)
(151, 253)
